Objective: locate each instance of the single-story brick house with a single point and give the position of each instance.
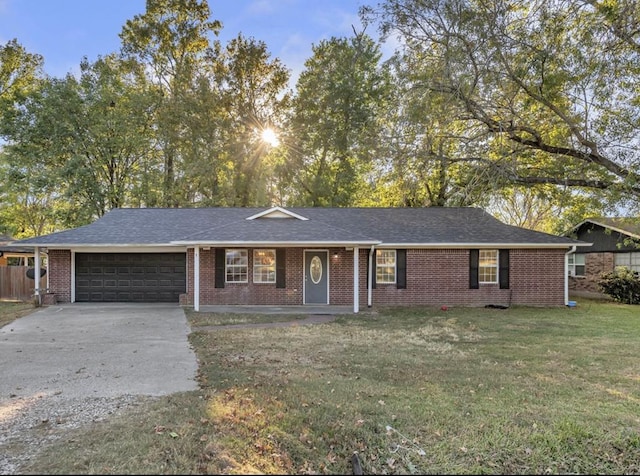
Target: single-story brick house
(615, 242)
(298, 256)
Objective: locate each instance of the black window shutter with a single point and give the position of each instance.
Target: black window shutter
(503, 262)
(401, 269)
(220, 262)
(474, 260)
(281, 268)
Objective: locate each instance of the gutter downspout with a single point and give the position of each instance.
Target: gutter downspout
(370, 276)
(196, 278)
(566, 274)
(356, 279)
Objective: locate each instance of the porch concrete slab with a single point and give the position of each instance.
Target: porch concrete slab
(304, 310)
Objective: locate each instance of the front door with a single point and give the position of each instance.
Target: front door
(316, 277)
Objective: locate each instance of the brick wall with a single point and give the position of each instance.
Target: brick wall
(60, 274)
(434, 277)
(246, 293)
(441, 277)
(595, 265)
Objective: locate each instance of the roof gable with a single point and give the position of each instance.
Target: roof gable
(626, 225)
(608, 234)
(276, 212)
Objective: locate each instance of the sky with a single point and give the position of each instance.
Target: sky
(65, 31)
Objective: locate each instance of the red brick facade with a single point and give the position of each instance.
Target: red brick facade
(60, 274)
(433, 277)
(595, 264)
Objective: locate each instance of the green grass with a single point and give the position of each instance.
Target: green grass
(420, 391)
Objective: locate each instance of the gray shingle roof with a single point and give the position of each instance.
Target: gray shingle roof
(361, 226)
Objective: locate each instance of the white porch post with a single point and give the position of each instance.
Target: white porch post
(196, 278)
(370, 276)
(356, 279)
(73, 276)
(36, 277)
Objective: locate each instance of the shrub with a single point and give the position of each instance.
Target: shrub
(622, 284)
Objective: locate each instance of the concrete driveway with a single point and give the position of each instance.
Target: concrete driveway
(97, 350)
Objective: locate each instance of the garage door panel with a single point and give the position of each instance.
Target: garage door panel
(130, 277)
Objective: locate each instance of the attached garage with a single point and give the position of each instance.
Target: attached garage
(130, 277)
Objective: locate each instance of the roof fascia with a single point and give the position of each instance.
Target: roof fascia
(480, 245)
(106, 247)
(276, 243)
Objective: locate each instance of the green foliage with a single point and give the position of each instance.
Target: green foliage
(529, 109)
(335, 121)
(622, 284)
(548, 87)
(18, 71)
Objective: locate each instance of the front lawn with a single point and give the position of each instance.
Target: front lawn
(462, 391)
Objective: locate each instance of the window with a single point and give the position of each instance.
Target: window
(488, 266)
(628, 260)
(264, 266)
(386, 266)
(236, 266)
(576, 264)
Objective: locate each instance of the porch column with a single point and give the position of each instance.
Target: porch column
(196, 278)
(36, 277)
(370, 276)
(356, 279)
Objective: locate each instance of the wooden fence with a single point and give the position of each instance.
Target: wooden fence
(14, 284)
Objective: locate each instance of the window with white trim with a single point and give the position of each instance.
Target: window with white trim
(386, 266)
(264, 266)
(236, 266)
(576, 264)
(628, 260)
(488, 266)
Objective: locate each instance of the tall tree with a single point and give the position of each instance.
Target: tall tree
(24, 210)
(82, 139)
(336, 120)
(19, 71)
(556, 79)
(428, 155)
(253, 91)
(172, 39)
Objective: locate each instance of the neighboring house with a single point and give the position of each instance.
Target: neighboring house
(340, 256)
(13, 254)
(615, 242)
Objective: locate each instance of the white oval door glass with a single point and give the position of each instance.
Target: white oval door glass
(315, 270)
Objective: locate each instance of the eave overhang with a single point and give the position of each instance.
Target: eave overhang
(480, 245)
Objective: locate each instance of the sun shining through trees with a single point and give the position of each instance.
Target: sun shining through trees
(269, 136)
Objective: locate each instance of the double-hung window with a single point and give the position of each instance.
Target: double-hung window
(629, 260)
(264, 266)
(576, 264)
(386, 266)
(488, 266)
(236, 266)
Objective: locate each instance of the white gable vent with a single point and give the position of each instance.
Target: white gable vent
(277, 212)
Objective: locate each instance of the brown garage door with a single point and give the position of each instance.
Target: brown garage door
(130, 277)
